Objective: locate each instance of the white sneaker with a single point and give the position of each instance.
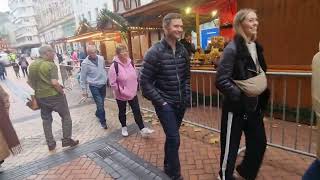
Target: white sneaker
(124, 131)
(145, 132)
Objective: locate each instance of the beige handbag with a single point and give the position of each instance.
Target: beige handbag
(254, 86)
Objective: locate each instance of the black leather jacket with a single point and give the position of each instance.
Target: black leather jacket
(236, 64)
(165, 76)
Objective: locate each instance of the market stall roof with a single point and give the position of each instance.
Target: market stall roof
(150, 15)
(96, 35)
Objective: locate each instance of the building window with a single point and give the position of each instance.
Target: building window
(89, 15)
(29, 38)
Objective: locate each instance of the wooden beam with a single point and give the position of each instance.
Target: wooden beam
(198, 29)
(129, 44)
(149, 39)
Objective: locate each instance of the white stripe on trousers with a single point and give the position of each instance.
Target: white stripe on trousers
(226, 151)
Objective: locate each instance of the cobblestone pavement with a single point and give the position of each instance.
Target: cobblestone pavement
(80, 168)
(28, 123)
(200, 154)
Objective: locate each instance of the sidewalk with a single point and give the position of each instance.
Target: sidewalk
(200, 154)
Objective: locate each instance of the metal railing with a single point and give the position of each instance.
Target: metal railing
(285, 129)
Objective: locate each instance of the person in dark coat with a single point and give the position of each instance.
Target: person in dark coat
(242, 59)
(165, 81)
(187, 43)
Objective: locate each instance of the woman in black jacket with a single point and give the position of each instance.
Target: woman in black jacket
(242, 111)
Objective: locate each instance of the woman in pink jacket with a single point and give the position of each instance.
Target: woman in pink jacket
(124, 83)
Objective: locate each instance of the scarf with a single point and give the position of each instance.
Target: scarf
(6, 127)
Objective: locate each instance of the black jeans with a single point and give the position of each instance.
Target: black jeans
(171, 118)
(232, 126)
(98, 95)
(24, 71)
(134, 104)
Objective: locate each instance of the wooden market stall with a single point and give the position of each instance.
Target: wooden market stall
(288, 31)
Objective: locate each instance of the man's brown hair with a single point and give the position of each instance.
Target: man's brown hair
(167, 18)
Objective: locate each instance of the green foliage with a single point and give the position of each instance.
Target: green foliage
(105, 16)
(84, 27)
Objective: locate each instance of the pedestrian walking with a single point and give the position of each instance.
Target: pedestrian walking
(94, 75)
(43, 78)
(60, 58)
(16, 69)
(74, 57)
(242, 81)
(124, 83)
(24, 65)
(2, 72)
(313, 172)
(9, 141)
(165, 81)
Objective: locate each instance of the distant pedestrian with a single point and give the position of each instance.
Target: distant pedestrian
(74, 57)
(165, 80)
(124, 83)
(241, 79)
(16, 69)
(2, 72)
(93, 73)
(24, 65)
(43, 78)
(313, 172)
(9, 141)
(60, 58)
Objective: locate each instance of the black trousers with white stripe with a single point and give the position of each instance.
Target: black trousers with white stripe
(232, 126)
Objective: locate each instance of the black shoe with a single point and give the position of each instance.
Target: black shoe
(70, 143)
(52, 147)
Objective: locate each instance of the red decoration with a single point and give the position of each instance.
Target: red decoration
(226, 10)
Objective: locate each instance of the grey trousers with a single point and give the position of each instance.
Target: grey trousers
(58, 104)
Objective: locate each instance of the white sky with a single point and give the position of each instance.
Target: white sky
(4, 5)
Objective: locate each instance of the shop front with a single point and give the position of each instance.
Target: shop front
(287, 31)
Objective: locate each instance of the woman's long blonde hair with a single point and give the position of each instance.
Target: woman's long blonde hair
(238, 19)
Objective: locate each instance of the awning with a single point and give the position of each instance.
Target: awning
(97, 36)
(150, 15)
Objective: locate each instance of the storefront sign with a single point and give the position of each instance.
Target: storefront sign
(206, 34)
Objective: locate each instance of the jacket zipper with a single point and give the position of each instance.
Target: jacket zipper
(178, 78)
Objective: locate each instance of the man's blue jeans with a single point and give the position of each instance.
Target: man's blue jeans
(171, 118)
(98, 94)
(313, 172)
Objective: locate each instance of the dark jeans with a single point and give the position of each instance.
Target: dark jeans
(17, 73)
(134, 104)
(313, 172)
(232, 126)
(98, 95)
(2, 76)
(171, 118)
(58, 104)
(24, 71)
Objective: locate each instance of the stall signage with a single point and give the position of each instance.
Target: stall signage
(206, 35)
